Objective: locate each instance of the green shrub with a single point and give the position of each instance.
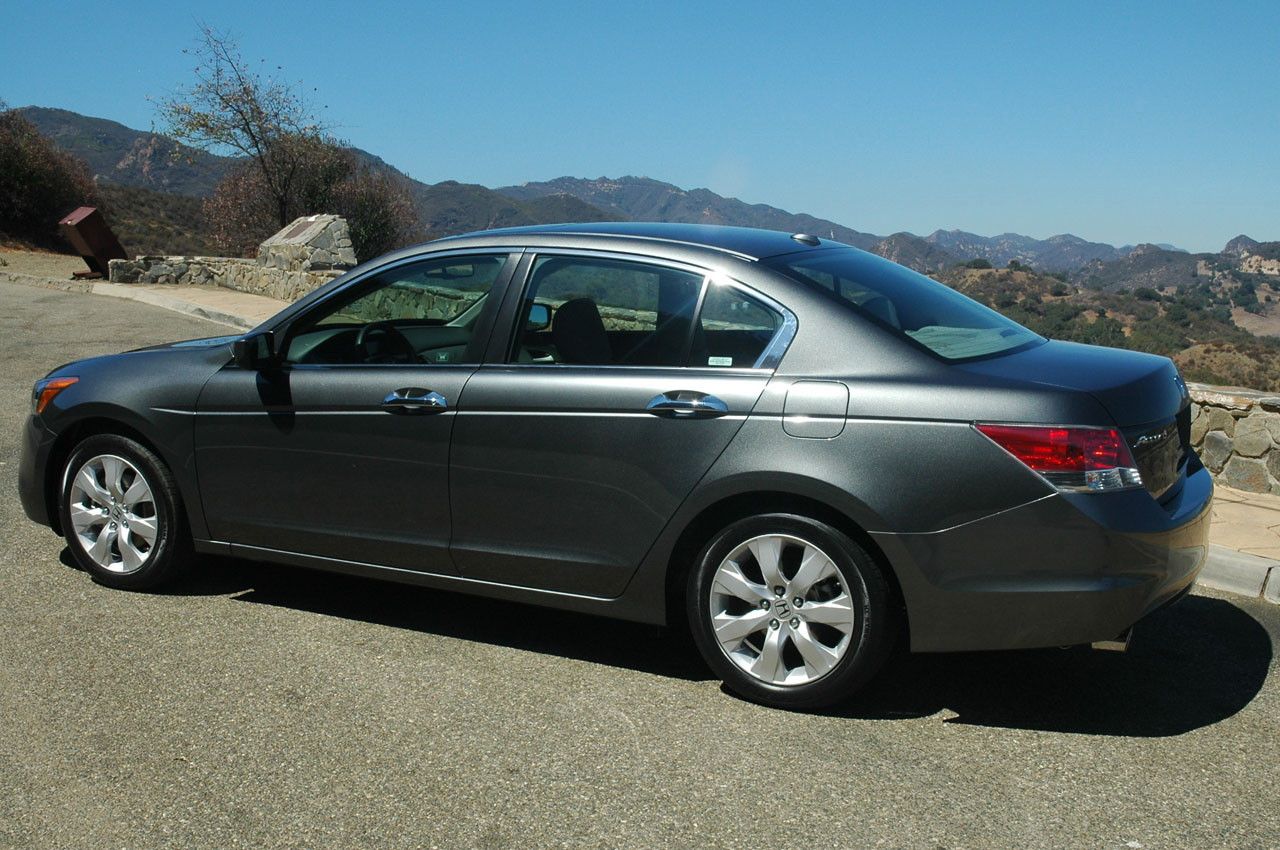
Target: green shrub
(39, 184)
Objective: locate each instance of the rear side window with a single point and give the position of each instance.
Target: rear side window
(934, 316)
(734, 329)
(604, 312)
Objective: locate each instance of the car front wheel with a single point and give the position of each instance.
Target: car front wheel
(122, 515)
(789, 611)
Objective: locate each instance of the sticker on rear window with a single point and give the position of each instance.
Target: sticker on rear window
(719, 361)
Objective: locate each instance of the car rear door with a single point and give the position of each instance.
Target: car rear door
(575, 443)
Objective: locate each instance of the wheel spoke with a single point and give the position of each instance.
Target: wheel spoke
(837, 613)
(818, 659)
(112, 474)
(814, 567)
(87, 484)
(769, 664)
(768, 552)
(732, 628)
(129, 554)
(730, 580)
(137, 493)
(144, 527)
(83, 518)
(100, 551)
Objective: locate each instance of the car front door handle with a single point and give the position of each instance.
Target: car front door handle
(685, 404)
(415, 400)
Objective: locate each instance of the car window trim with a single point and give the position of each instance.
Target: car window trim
(486, 322)
(518, 288)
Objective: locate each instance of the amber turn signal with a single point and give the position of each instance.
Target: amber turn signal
(47, 389)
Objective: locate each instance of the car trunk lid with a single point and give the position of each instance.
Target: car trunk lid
(1143, 393)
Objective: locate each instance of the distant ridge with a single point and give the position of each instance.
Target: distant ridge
(646, 199)
(144, 160)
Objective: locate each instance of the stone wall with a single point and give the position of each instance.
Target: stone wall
(1237, 433)
(310, 252)
(242, 275)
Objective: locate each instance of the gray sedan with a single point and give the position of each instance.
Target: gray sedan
(801, 451)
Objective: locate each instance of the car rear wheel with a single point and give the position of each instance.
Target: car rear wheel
(789, 611)
(122, 515)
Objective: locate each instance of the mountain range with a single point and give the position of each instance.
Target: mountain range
(154, 169)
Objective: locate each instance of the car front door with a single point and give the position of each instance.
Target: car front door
(341, 449)
(570, 457)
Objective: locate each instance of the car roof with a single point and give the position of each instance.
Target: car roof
(746, 242)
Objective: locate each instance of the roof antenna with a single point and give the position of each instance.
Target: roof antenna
(806, 239)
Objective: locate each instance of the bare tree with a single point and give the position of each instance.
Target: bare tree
(232, 109)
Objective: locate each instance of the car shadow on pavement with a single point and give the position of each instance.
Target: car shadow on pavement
(1191, 665)
(617, 643)
(208, 576)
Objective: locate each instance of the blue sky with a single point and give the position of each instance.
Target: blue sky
(1120, 122)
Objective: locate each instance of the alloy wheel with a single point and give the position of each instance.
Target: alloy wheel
(113, 513)
(781, 610)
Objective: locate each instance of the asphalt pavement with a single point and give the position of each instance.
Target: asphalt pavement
(260, 706)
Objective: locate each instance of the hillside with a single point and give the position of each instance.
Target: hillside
(121, 155)
(450, 208)
(1193, 324)
(122, 160)
(1064, 252)
(118, 154)
(150, 222)
(645, 199)
(1147, 265)
(915, 253)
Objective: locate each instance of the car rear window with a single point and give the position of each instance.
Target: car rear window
(952, 326)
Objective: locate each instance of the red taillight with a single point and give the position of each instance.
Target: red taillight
(1070, 458)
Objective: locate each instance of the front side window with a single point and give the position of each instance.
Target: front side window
(934, 316)
(423, 312)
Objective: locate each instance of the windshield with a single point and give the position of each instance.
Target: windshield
(937, 317)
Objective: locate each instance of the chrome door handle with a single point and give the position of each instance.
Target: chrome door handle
(685, 404)
(414, 400)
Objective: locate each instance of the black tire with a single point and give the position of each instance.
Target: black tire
(870, 640)
(171, 550)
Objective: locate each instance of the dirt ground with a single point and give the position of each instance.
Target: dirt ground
(40, 263)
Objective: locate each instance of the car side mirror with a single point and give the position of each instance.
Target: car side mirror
(255, 351)
(539, 318)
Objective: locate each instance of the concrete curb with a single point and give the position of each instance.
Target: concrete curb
(1242, 573)
(168, 302)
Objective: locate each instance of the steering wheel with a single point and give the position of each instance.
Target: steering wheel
(392, 346)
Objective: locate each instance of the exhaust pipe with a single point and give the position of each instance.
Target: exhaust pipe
(1119, 643)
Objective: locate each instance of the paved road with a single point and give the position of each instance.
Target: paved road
(268, 707)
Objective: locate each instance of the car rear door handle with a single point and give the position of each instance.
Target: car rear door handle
(415, 400)
(686, 404)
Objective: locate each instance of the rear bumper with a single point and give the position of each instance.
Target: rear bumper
(1066, 569)
(37, 443)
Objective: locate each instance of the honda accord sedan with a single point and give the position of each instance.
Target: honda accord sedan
(803, 452)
